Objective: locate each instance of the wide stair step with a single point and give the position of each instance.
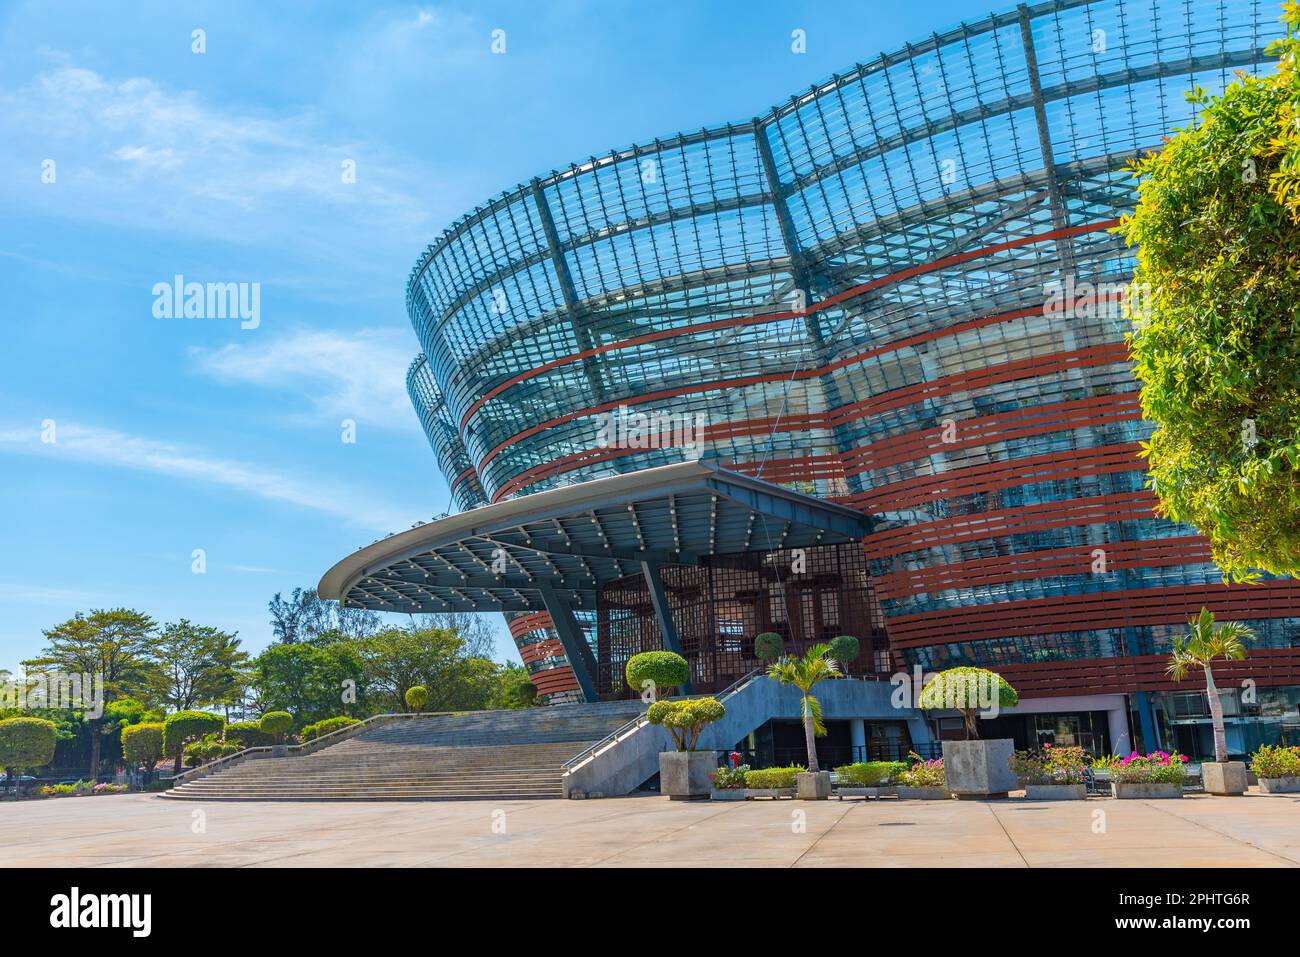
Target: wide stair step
(476, 756)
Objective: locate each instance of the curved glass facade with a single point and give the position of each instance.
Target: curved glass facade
(898, 290)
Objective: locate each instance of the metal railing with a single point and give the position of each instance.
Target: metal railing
(638, 722)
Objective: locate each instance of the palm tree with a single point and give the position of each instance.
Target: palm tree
(804, 673)
(1205, 642)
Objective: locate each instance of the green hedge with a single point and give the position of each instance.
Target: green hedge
(185, 726)
(772, 777)
(247, 734)
(313, 731)
(143, 744)
(870, 774)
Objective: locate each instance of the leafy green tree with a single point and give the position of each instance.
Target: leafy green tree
(306, 617)
(686, 719)
(115, 644)
(395, 659)
(142, 744)
(845, 649)
(1215, 297)
(277, 723)
(185, 726)
(309, 682)
(514, 688)
(805, 673)
(970, 691)
(196, 665)
(1204, 643)
(25, 743)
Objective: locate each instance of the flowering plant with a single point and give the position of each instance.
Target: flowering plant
(923, 773)
(1049, 766)
(1158, 767)
(1276, 762)
(730, 779)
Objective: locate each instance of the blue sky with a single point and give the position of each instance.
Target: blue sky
(173, 435)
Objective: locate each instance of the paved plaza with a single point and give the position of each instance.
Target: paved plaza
(647, 831)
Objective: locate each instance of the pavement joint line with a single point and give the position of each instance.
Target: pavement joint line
(1010, 840)
(811, 847)
(1158, 806)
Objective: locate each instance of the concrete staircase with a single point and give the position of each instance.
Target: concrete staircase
(489, 754)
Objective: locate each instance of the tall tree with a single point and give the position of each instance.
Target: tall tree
(396, 659)
(1204, 643)
(305, 617)
(197, 665)
(113, 645)
(310, 683)
(476, 634)
(1217, 284)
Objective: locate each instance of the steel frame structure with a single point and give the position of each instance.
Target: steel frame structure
(854, 288)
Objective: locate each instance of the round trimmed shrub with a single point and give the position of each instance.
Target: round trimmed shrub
(142, 744)
(417, 696)
(844, 649)
(665, 672)
(970, 691)
(768, 646)
(277, 723)
(25, 743)
(185, 726)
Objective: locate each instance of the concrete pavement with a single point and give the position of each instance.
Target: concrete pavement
(647, 831)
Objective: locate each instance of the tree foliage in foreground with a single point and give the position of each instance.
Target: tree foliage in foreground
(1216, 310)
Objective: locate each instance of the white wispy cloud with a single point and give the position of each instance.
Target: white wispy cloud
(357, 375)
(135, 152)
(108, 447)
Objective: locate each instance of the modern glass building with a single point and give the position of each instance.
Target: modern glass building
(892, 300)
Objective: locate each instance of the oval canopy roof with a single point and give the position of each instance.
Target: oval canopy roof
(571, 541)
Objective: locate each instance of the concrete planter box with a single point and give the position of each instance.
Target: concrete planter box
(873, 793)
(922, 794)
(1143, 792)
(686, 775)
(728, 794)
(1280, 785)
(1056, 792)
(979, 768)
(774, 793)
(279, 750)
(813, 787)
(1226, 778)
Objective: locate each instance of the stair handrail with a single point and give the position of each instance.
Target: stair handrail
(639, 721)
(333, 737)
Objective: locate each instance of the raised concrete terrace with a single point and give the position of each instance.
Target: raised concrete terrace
(146, 830)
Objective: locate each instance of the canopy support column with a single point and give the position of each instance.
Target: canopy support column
(576, 649)
(663, 613)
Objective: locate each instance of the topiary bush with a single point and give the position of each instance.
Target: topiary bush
(277, 724)
(970, 691)
(185, 726)
(658, 672)
(686, 719)
(417, 696)
(766, 778)
(25, 743)
(768, 646)
(326, 726)
(142, 744)
(844, 649)
(870, 774)
(248, 734)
